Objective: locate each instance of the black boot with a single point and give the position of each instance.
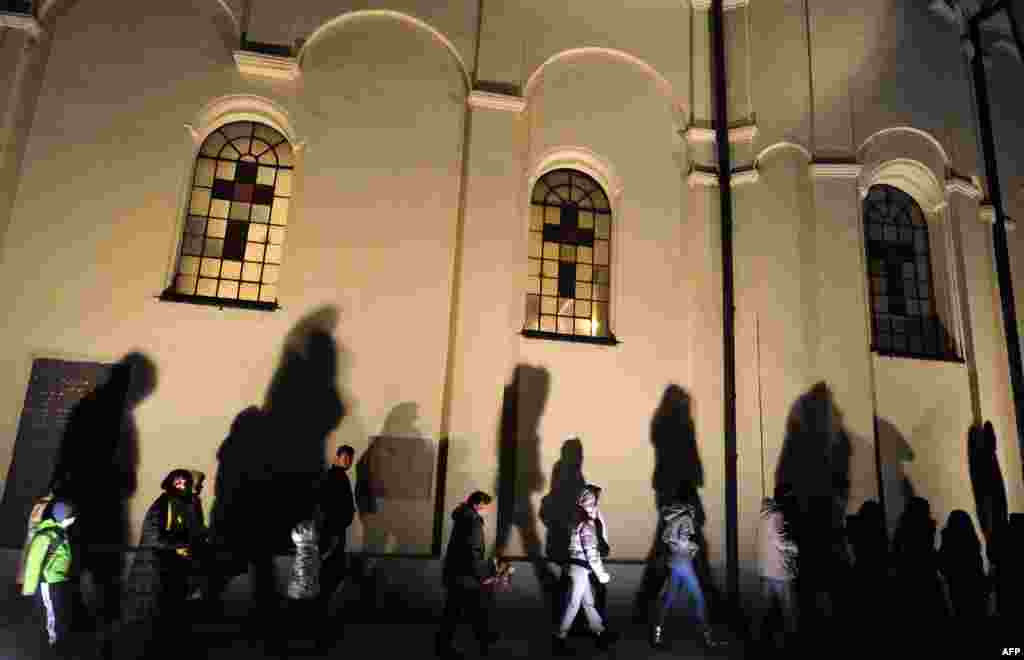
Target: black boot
(560, 648)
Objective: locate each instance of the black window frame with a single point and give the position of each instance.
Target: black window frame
(232, 224)
(901, 294)
(563, 194)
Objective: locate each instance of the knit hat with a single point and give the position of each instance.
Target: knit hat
(61, 511)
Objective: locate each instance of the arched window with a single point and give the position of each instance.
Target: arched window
(237, 214)
(904, 318)
(569, 281)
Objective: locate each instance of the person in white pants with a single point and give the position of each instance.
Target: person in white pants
(584, 558)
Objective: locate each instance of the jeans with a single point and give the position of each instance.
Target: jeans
(580, 595)
(682, 578)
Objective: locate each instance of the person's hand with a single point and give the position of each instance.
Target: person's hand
(604, 578)
(183, 552)
(489, 580)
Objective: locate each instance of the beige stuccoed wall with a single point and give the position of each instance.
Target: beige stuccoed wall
(607, 395)
(406, 197)
(84, 284)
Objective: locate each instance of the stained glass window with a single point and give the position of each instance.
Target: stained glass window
(904, 319)
(569, 280)
(236, 218)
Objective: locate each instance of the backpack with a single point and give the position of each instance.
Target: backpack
(35, 517)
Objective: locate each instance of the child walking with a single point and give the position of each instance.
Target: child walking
(48, 572)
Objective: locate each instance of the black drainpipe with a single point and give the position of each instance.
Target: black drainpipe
(999, 228)
(728, 309)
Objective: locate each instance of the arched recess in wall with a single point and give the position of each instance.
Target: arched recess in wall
(215, 114)
(338, 22)
(226, 18)
(677, 107)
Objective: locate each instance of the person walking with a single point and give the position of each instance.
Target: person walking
(337, 510)
(584, 559)
(680, 548)
(466, 574)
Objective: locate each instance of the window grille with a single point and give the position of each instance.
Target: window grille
(569, 280)
(904, 320)
(236, 219)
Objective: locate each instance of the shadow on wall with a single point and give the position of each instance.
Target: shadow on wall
(519, 469)
(678, 470)
(815, 465)
(893, 452)
(97, 469)
(394, 479)
(987, 484)
(271, 461)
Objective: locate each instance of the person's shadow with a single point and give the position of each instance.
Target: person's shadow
(677, 469)
(558, 511)
(272, 461)
(815, 464)
(519, 470)
(96, 469)
(394, 478)
(894, 452)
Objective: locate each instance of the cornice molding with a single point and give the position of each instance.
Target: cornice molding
(987, 214)
(494, 101)
(24, 22)
(744, 177)
(835, 170)
(738, 135)
(709, 179)
(267, 66)
(702, 178)
(705, 5)
(963, 187)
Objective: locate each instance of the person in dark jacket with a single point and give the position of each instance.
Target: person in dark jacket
(465, 574)
(337, 510)
(159, 576)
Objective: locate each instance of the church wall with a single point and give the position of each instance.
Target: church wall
(110, 177)
(922, 435)
(424, 253)
(608, 395)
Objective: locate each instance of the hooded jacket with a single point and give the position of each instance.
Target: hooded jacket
(678, 532)
(465, 556)
(57, 567)
(584, 541)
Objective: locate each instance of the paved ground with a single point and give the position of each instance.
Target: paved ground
(398, 622)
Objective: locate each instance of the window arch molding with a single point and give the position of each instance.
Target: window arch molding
(919, 182)
(242, 107)
(216, 115)
(598, 168)
(912, 177)
(584, 160)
